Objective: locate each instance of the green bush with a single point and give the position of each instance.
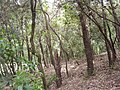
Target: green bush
(26, 81)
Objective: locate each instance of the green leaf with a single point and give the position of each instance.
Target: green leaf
(20, 88)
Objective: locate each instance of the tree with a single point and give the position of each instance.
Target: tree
(33, 11)
(87, 43)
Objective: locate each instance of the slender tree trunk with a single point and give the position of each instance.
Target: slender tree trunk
(22, 36)
(48, 40)
(86, 40)
(33, 11)
(47, 56)
(105, 31)
(50, 50)
(29, 54)
(114, 57)
(110, 42)
(116, 20)
(61, 46)
(43, 56)
(40, 67)
(57, 69)
(33, 4)
(61, 54)
(87, 45)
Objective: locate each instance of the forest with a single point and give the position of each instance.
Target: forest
(59, 44)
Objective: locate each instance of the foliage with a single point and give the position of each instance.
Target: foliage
(16, 56)
(26, 81)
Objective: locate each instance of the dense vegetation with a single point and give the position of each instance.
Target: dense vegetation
(38, 34)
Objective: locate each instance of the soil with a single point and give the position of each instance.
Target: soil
(104, 78)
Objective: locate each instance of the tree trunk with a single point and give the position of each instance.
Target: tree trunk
(47, 56)
(33, 11)
(114, 57)
(116, 20)
(43, 56)
(105, 31)
(57, 69)
(40, 67)
(61, 46)
(87, 45)
(50, 49)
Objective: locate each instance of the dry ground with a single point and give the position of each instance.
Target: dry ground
(104, 78)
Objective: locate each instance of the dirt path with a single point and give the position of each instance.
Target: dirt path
(104, 79)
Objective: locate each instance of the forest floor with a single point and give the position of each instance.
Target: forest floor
(104, 78)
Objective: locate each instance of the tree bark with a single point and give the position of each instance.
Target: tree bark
(42, 51)
(87, 45)
(33, 11)
(116, 20)
(57, 69)
(40, 67)
(105, 31)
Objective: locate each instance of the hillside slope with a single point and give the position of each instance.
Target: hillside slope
(104, 78)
